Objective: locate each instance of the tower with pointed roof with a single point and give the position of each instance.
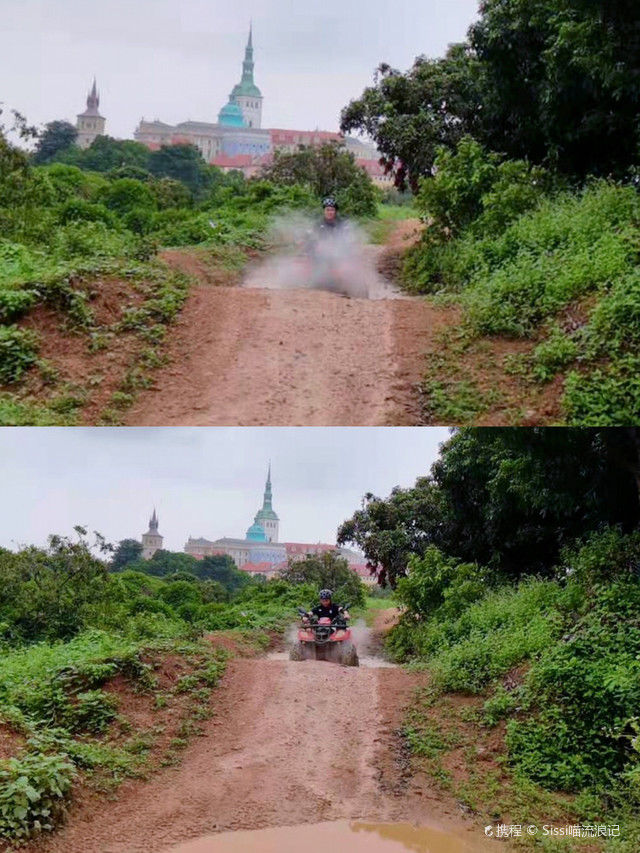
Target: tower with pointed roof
(151, 540)
(90, 123)
(266, 518)
(245, 93)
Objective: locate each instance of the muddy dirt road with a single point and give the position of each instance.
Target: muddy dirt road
(249, 356)
(290, 743)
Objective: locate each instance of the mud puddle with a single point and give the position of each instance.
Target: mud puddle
(355, 836)
(367, 661)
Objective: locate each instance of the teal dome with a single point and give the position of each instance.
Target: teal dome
(256, 533)
(231, 115)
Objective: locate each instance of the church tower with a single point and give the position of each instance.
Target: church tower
(246, 94)
(90, 123)
(151, 540)
(266, 517)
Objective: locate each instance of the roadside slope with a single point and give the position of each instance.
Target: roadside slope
(290, 743)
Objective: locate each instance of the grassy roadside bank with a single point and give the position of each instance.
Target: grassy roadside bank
(530, 716)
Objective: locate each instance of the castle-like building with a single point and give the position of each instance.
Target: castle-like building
(151, 540)
(237, 131)
(260, 552)
(237, 140)
(90, 123)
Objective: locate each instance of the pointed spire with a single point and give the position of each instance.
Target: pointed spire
(93, 98)
(153, 521)
(266, 502)
(247, 65)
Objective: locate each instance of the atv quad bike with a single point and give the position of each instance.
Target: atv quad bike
(324, 639)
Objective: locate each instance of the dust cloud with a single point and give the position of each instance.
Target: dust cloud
(304, 256)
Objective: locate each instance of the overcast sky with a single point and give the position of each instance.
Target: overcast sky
(203, 481)
(179, 59)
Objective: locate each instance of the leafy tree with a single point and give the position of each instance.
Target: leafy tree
(328, 170)
(106, 154)
(56, 136)
(389, 530)
(164, 563)
(221, 568)
(509, 499)
(51, 593)
(127, 551)
(183, 163)
(328, 570)
(562, 81)
(553, 81)
(411, 116)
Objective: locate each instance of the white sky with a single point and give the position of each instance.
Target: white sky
(178, 59)
(204, 481)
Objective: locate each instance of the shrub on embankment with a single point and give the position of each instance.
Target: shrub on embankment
(557, 659)
(521, 256)
(65, 706)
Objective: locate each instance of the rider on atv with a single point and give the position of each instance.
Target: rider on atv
(326, 608)
(330, 219)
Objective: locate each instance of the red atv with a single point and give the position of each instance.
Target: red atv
(324, 639)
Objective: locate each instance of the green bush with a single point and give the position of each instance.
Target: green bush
(33, 790)
(14, 303)
(436, 582)
(471, 188)
(606, 396)
(81, 210)
(18, 352)
(89, 240)
(604, 556)
(583, 692)
(127, 194)
(18, 264)
(553, 354)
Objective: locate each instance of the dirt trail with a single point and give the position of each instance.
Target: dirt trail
(290, 743)
(243, 356)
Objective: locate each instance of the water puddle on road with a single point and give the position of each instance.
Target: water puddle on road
(354, 836)
(368, 662)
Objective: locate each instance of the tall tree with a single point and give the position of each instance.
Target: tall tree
(328, 170)
(410, 116)
(182, 163)
(127, 551)
(56, 136)
(562, 81)
(507, 498)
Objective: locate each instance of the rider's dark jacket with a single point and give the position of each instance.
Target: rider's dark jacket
(328, 225)
(331, 611)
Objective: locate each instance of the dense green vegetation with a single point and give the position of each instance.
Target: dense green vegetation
(518, 572)
(555, 662)
(509, 499)
(75, 622)
(518, 259)
(522, 146)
